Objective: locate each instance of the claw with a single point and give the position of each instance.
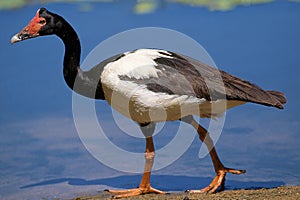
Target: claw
(218, 181)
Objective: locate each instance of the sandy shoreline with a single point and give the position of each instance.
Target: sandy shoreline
(284, 192)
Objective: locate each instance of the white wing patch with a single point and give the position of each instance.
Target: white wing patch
(138, 64)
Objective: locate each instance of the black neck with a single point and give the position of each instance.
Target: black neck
(81, 82)
(72, 53)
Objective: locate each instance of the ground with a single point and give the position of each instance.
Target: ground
(285, 192)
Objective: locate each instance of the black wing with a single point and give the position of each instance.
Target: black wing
(182, 75)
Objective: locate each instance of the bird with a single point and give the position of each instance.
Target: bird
(151, 86)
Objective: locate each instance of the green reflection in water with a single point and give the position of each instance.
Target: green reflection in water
(143, 6)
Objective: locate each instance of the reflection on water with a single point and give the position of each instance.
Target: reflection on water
(141, 6)
(174, 183)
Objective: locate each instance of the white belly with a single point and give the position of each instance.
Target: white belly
(142, 105)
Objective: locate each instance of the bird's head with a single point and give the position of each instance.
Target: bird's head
(43, 23)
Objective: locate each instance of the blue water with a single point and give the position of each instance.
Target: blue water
(41, 155)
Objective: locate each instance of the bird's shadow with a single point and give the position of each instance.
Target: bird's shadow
(162, 182)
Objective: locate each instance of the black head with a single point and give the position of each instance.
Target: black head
(43, 23)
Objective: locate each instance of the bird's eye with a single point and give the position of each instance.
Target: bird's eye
(42, 21)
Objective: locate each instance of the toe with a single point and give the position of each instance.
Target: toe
(235, 171)
(156, 191)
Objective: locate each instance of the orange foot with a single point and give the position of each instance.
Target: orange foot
(219, 181)
(134, 192)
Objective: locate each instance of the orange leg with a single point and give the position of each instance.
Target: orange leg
(219, 180)
(145, 186)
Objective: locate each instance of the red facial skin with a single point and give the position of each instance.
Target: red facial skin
(34, 25)
(31, 30)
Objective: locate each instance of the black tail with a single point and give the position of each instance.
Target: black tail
(279, 97)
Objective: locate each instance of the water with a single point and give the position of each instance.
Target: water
(42, 155)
